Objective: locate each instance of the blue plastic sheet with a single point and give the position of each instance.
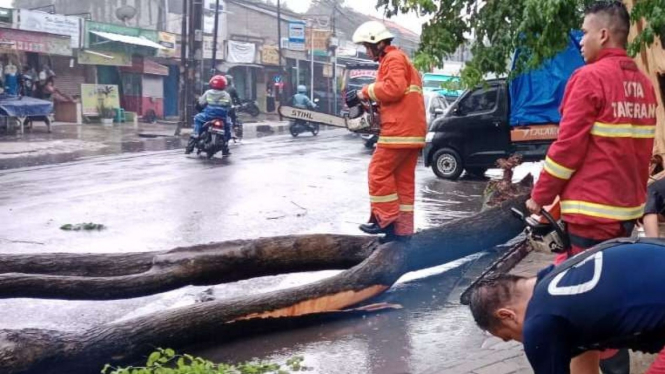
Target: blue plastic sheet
(535, 96)
(15, 106)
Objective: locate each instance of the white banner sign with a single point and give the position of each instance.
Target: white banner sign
(51, 23)
(240, 52)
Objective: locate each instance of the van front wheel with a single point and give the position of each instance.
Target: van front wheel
(447, 164)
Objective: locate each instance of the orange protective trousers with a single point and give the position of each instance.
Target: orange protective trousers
(392, 179)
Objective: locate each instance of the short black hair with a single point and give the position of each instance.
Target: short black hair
(489, 295)
(618, 16)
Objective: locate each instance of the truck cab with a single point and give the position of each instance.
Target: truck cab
(476, 132)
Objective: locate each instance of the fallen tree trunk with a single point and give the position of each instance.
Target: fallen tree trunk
(81, 277)
(44, 352)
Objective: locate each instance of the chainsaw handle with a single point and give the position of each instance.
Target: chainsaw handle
(518, 214)
(564, 237)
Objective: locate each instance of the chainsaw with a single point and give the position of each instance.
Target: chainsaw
(362, 118)
(544, 232)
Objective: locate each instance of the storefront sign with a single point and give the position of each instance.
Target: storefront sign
(51, 23)
(28, 41)
(269, 55)
(297, 35)
(321, 38)
(93, 96)
(102, 58)
(168, 41)
(207, 47)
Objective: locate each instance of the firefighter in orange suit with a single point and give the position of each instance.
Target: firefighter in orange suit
(599, 165)
(398, 92)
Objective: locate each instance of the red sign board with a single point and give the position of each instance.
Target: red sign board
(145, 66)
(362, 73)
(38, 42)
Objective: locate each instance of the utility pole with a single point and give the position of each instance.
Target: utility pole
(214, 39)
(334, 59)
(194, 55)
(311, 56)
(279, 49)
(184, 68)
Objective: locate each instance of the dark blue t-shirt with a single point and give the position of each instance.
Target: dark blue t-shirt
(613, 298)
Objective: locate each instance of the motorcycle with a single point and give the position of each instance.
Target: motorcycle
(369, 140)
(250, 107)
(299, 126)
(211, 140)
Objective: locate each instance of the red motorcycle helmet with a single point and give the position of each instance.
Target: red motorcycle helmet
(218, 82)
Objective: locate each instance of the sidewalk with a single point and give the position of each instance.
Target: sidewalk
(498, 357)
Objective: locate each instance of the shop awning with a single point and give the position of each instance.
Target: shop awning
(134, 40)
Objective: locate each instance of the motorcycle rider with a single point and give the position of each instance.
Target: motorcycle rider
(300, 99)
(398, 92)
(217, 104)
(231, 89)
(235, 100)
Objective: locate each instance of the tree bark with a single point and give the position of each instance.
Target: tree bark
(112, 276)
(371, 271)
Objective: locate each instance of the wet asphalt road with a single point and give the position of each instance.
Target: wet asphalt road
(276, 185)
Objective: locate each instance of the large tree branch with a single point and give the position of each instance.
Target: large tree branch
(43, 352)
(79, 277)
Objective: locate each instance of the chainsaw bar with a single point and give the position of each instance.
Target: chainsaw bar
(311, 116)
(516, 253)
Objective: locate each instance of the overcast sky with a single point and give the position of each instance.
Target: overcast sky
(410, 21)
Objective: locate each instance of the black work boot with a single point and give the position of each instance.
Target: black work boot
(371, 228)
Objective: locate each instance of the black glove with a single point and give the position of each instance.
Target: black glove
(352, 99)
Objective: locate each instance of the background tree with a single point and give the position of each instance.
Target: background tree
(496, 28)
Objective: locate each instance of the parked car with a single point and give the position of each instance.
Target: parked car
(476, 132)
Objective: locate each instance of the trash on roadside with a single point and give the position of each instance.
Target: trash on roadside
(88, 226)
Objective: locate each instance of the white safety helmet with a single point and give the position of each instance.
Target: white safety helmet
(372, 32)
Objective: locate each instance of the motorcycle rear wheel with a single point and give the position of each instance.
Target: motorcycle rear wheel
(253, 110)
(315, 129)
(294, 131)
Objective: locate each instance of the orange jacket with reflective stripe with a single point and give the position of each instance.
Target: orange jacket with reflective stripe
(399, 93)
(599, 164)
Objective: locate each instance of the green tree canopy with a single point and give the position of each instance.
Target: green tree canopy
(496, 28)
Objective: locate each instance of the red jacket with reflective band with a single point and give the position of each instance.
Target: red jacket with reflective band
(399, 91)
(599, 164)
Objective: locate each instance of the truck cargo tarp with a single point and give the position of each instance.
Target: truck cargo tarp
(15, 106)
(535, 96)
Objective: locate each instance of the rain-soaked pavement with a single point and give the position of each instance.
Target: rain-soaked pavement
(161, 199)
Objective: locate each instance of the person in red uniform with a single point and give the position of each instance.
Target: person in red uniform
(599, 165)
(398, 92)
